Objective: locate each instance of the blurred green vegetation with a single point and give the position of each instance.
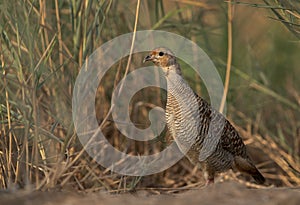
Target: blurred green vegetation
(43, 45)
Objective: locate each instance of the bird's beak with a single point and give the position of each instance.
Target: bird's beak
(148, 58)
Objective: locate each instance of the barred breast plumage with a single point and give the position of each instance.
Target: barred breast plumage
(202, 133)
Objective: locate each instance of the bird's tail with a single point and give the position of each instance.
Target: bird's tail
(258, 177)
(246, 166)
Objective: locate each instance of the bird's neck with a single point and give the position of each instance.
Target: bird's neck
(177, 86)
(172, 69)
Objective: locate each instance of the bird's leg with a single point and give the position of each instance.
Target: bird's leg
(210, 182)
(210, 179)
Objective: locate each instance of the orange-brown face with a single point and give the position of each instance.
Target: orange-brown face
(161, 57)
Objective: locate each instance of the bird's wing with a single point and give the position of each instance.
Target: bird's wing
(231, 141)
(220, 127)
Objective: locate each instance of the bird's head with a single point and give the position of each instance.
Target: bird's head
(164, 58)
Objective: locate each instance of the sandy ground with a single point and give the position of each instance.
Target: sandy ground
(221, 193)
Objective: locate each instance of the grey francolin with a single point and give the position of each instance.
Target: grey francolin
(201, 132)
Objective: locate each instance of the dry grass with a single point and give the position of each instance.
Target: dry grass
(43, 45)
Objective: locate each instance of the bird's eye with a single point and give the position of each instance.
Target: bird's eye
(161, 53)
